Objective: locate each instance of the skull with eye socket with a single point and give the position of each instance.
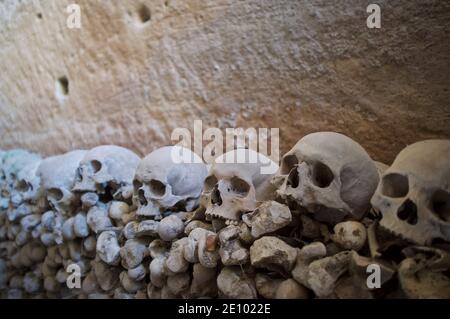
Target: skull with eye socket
(107, 170)
(27, 186)
(13, 162)
(237, 182)
(57, 176)
(413, 196)
(329, 175)
(167, 180)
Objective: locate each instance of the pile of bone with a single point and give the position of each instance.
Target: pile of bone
(331, 223)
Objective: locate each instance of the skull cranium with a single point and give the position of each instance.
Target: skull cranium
(57, 176)
(27, 185)
(109, 170)
(329, 175)
(414, 193)
(168, 179)
(235, 185)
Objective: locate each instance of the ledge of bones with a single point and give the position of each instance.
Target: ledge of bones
(330, 223)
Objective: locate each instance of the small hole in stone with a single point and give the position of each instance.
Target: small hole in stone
(39, 15)
(144, 14)
(63, 85)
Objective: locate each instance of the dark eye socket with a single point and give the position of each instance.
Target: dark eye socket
(440, 204)
(210, 183)
(322, 175)
(23, 186)
(394, 185)
(96, 166)
(137, 184)
(239, 186)
(288, 163)
(157, 187)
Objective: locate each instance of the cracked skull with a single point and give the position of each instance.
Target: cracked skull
(108, 170)
(329, 175)
(168, 179)
(57, 176)
(236, 184)
(413, 196)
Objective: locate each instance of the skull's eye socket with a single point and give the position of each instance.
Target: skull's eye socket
(96, 166)
(394, 185)
(137, 184)
(322, 176)
(157, 187)
(55, 193)
(22, 186)
(239, 186)
(440, 204)
(210, 182)
(288, 163)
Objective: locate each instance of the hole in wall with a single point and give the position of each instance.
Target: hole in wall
(144, 14)
(62, 86)
(39, 15)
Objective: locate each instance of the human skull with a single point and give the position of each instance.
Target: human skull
(109, 170)
(329, 175)
(57, 176)
(168, 179)
(236, 184)
(12, 162)
(413, 196)
(27, 185)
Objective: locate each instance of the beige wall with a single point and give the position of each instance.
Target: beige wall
(302, 66)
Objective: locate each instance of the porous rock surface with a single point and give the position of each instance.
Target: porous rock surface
(137, 69)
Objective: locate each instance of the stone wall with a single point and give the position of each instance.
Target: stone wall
(138, 69)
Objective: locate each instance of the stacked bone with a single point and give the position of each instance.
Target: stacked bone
(167, 227)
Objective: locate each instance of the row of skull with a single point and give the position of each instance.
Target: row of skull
(325, 174)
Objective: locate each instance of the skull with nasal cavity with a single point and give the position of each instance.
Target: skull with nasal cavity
(413, 196)
(57, 177)
(169, 179)
(107, 170)
(329, 175)
(238, 181)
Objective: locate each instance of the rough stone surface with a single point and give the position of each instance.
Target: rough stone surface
(290, 289)
(301, 66)
(272, 253)
(234, 284)
(268, 217)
